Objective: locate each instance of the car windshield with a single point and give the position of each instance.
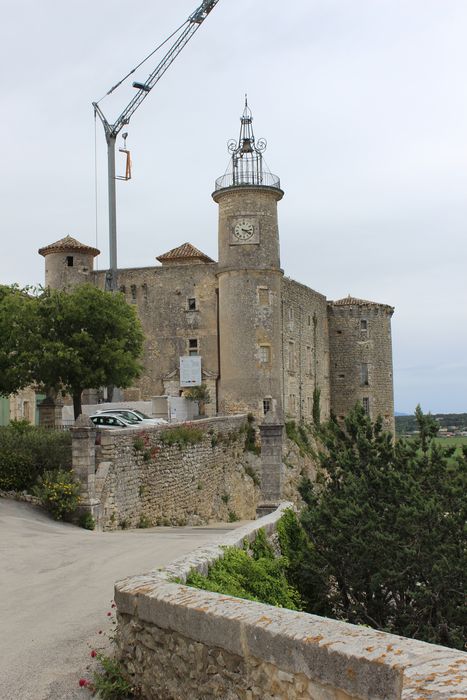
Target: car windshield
(128, 416)
(140, 414)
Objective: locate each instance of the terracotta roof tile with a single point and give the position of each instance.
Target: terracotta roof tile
(68, 244)
(186, 253)
(353, 301)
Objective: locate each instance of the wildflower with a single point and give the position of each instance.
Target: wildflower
(93, 653)
(109, 614)
(83, 683)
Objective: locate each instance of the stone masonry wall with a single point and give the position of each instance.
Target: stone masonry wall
(178, 642)
(142, 481)
(305, 341)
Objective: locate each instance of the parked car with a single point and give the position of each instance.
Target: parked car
(132, 415)
(109, 420)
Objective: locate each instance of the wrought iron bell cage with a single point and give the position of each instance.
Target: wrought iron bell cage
(247, 165)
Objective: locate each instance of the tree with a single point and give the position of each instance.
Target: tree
(18, 336)
(386, 527)
(91, 339)
(69, 341)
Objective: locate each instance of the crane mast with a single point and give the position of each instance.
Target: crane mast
(111, 131)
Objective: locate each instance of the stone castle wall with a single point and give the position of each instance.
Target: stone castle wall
(161, 296)
(361, 360)
(140, 480)
(305, 349)
(178, 642)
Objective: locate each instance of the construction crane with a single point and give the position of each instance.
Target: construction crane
(187, 29)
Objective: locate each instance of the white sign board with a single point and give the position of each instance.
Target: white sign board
(190, 371)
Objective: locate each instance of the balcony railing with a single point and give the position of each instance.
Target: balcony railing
(247, 179)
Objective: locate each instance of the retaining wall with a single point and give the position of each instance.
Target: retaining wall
(139, 480)
(179, 642)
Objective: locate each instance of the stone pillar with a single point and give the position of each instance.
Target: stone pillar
(271, 431)
(83, 454)
(50, 412)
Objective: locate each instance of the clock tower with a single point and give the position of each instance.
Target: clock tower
(249, 279)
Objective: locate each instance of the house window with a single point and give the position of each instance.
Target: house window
(291, 356)
(265, 354)
(309, 320)
(69, 260)
(192, 304)
(366, 405)
(263, 296)
(364, 374)
(145, 291)
(363, 328)
(133, 292)
(193, 346)
(267, 405)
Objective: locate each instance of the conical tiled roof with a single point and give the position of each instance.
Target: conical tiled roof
(353, 301)
(68, 244)
(185, 253)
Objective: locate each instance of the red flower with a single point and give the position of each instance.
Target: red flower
(113, 605)
(109, 614)
(93, 653)
(83, 682)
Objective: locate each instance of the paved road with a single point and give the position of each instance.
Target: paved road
(56, 587)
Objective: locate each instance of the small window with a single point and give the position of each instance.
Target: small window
(263, 296)
(341, 376)
(193, 346)
(192, 304)
(69, 260)
(145, 291)
(267, 405)
(309, 320)
(133, 292)
(265, 354)
(364, 374)
(122, 289)
(363, 328)
(339, 332)
(366, 405)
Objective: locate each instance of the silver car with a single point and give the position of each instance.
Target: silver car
(131, 415)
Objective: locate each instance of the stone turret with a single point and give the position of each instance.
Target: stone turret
(361, 358)
(68, 263)
(249, 277)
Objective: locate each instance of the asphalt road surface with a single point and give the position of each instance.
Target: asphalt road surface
(56, 588)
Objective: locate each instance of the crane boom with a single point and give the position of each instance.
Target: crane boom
(193, 23)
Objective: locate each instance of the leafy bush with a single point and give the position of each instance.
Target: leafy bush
(27, 451)
(86, 521)
(260, 577)
(58, 492)
(182, 436)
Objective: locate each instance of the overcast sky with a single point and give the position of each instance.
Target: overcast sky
(364, 107)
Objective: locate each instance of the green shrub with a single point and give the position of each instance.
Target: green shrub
(144, 522)
(233, 517)
(86, 521)
(260, 577)
(58, 492)
(182, 436)
(27, 451)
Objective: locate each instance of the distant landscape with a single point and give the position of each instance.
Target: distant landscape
(451, 425)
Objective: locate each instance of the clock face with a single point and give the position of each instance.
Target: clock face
(244, 229)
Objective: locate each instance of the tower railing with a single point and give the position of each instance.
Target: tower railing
(246, 179)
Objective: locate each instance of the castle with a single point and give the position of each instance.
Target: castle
(267, 343)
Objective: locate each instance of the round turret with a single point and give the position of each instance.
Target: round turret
(68, 263)
(361, 358)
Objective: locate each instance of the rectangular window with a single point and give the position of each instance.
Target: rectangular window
(133, 292)
(366, 405)
(69, 260)
(263, 296)
(193, 346)
(192, 304)
(264, 354)
(364, 374)
(363, 328)
(267, 405)
(291, 356)
(145, 291)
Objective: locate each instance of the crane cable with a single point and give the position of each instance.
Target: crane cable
(143, 61)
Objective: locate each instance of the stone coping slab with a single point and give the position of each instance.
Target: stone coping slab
(357, 660)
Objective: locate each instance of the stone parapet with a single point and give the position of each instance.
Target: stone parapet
(179, 642)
